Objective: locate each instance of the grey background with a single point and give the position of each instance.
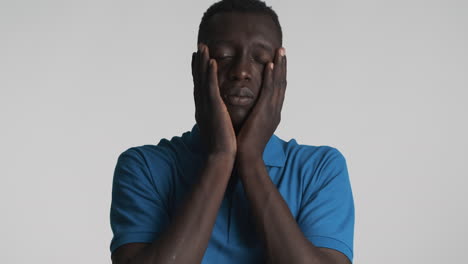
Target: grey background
(383, 81)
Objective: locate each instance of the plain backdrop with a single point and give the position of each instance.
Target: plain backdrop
(385, 82)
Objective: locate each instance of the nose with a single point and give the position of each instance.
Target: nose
(241, 69)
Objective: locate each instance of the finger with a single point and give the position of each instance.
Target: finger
(213, 86)
(267, 83)
(284, 82)
(194, 69)
(196, 85)
(277, 74)
(278, 61)
(285, 67)
(203, 64)
(284, 75)
(196, 89)
(198, 63)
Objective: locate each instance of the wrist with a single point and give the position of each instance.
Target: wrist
(249, 157)
(224, 157)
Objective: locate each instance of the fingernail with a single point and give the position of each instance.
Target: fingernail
(282, 51)
(271, 65)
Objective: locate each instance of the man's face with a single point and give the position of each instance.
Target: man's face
(241, 44)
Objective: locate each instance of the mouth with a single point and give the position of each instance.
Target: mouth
(235, 100)
(242, 96)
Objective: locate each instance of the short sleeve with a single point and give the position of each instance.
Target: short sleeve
(138, 213)
(326, 215)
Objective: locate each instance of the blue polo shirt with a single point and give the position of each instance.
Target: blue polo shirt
(150, 183)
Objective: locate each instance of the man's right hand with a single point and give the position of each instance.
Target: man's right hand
(216, 130)
(186, 238)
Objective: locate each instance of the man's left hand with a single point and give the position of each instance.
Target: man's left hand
(266, 114)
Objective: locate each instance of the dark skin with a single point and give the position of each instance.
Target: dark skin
(242, 50)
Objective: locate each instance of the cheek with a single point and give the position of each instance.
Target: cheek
(222, 76)
(260, 68)
(257, 73)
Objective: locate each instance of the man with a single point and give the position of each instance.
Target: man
(230, 191)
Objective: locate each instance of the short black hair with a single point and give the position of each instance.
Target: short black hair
(241, 6)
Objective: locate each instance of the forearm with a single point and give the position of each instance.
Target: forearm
(283, 239)
(186, 239)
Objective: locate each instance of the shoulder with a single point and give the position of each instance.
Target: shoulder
(314, 163)
(154, 161)
(310, 155)
(166, 151)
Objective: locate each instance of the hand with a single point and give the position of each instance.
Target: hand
(216, 130)
(266, 114)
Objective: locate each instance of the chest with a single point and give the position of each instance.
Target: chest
(234, 234)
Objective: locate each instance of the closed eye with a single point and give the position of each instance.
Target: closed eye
(224, 57)
(261, 59)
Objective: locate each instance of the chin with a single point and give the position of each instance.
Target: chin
(237, 123)
(238, 116)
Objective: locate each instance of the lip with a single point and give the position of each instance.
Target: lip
(238, 100)
(239, 96)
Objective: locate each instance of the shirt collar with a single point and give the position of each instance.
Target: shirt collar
(273, 155)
